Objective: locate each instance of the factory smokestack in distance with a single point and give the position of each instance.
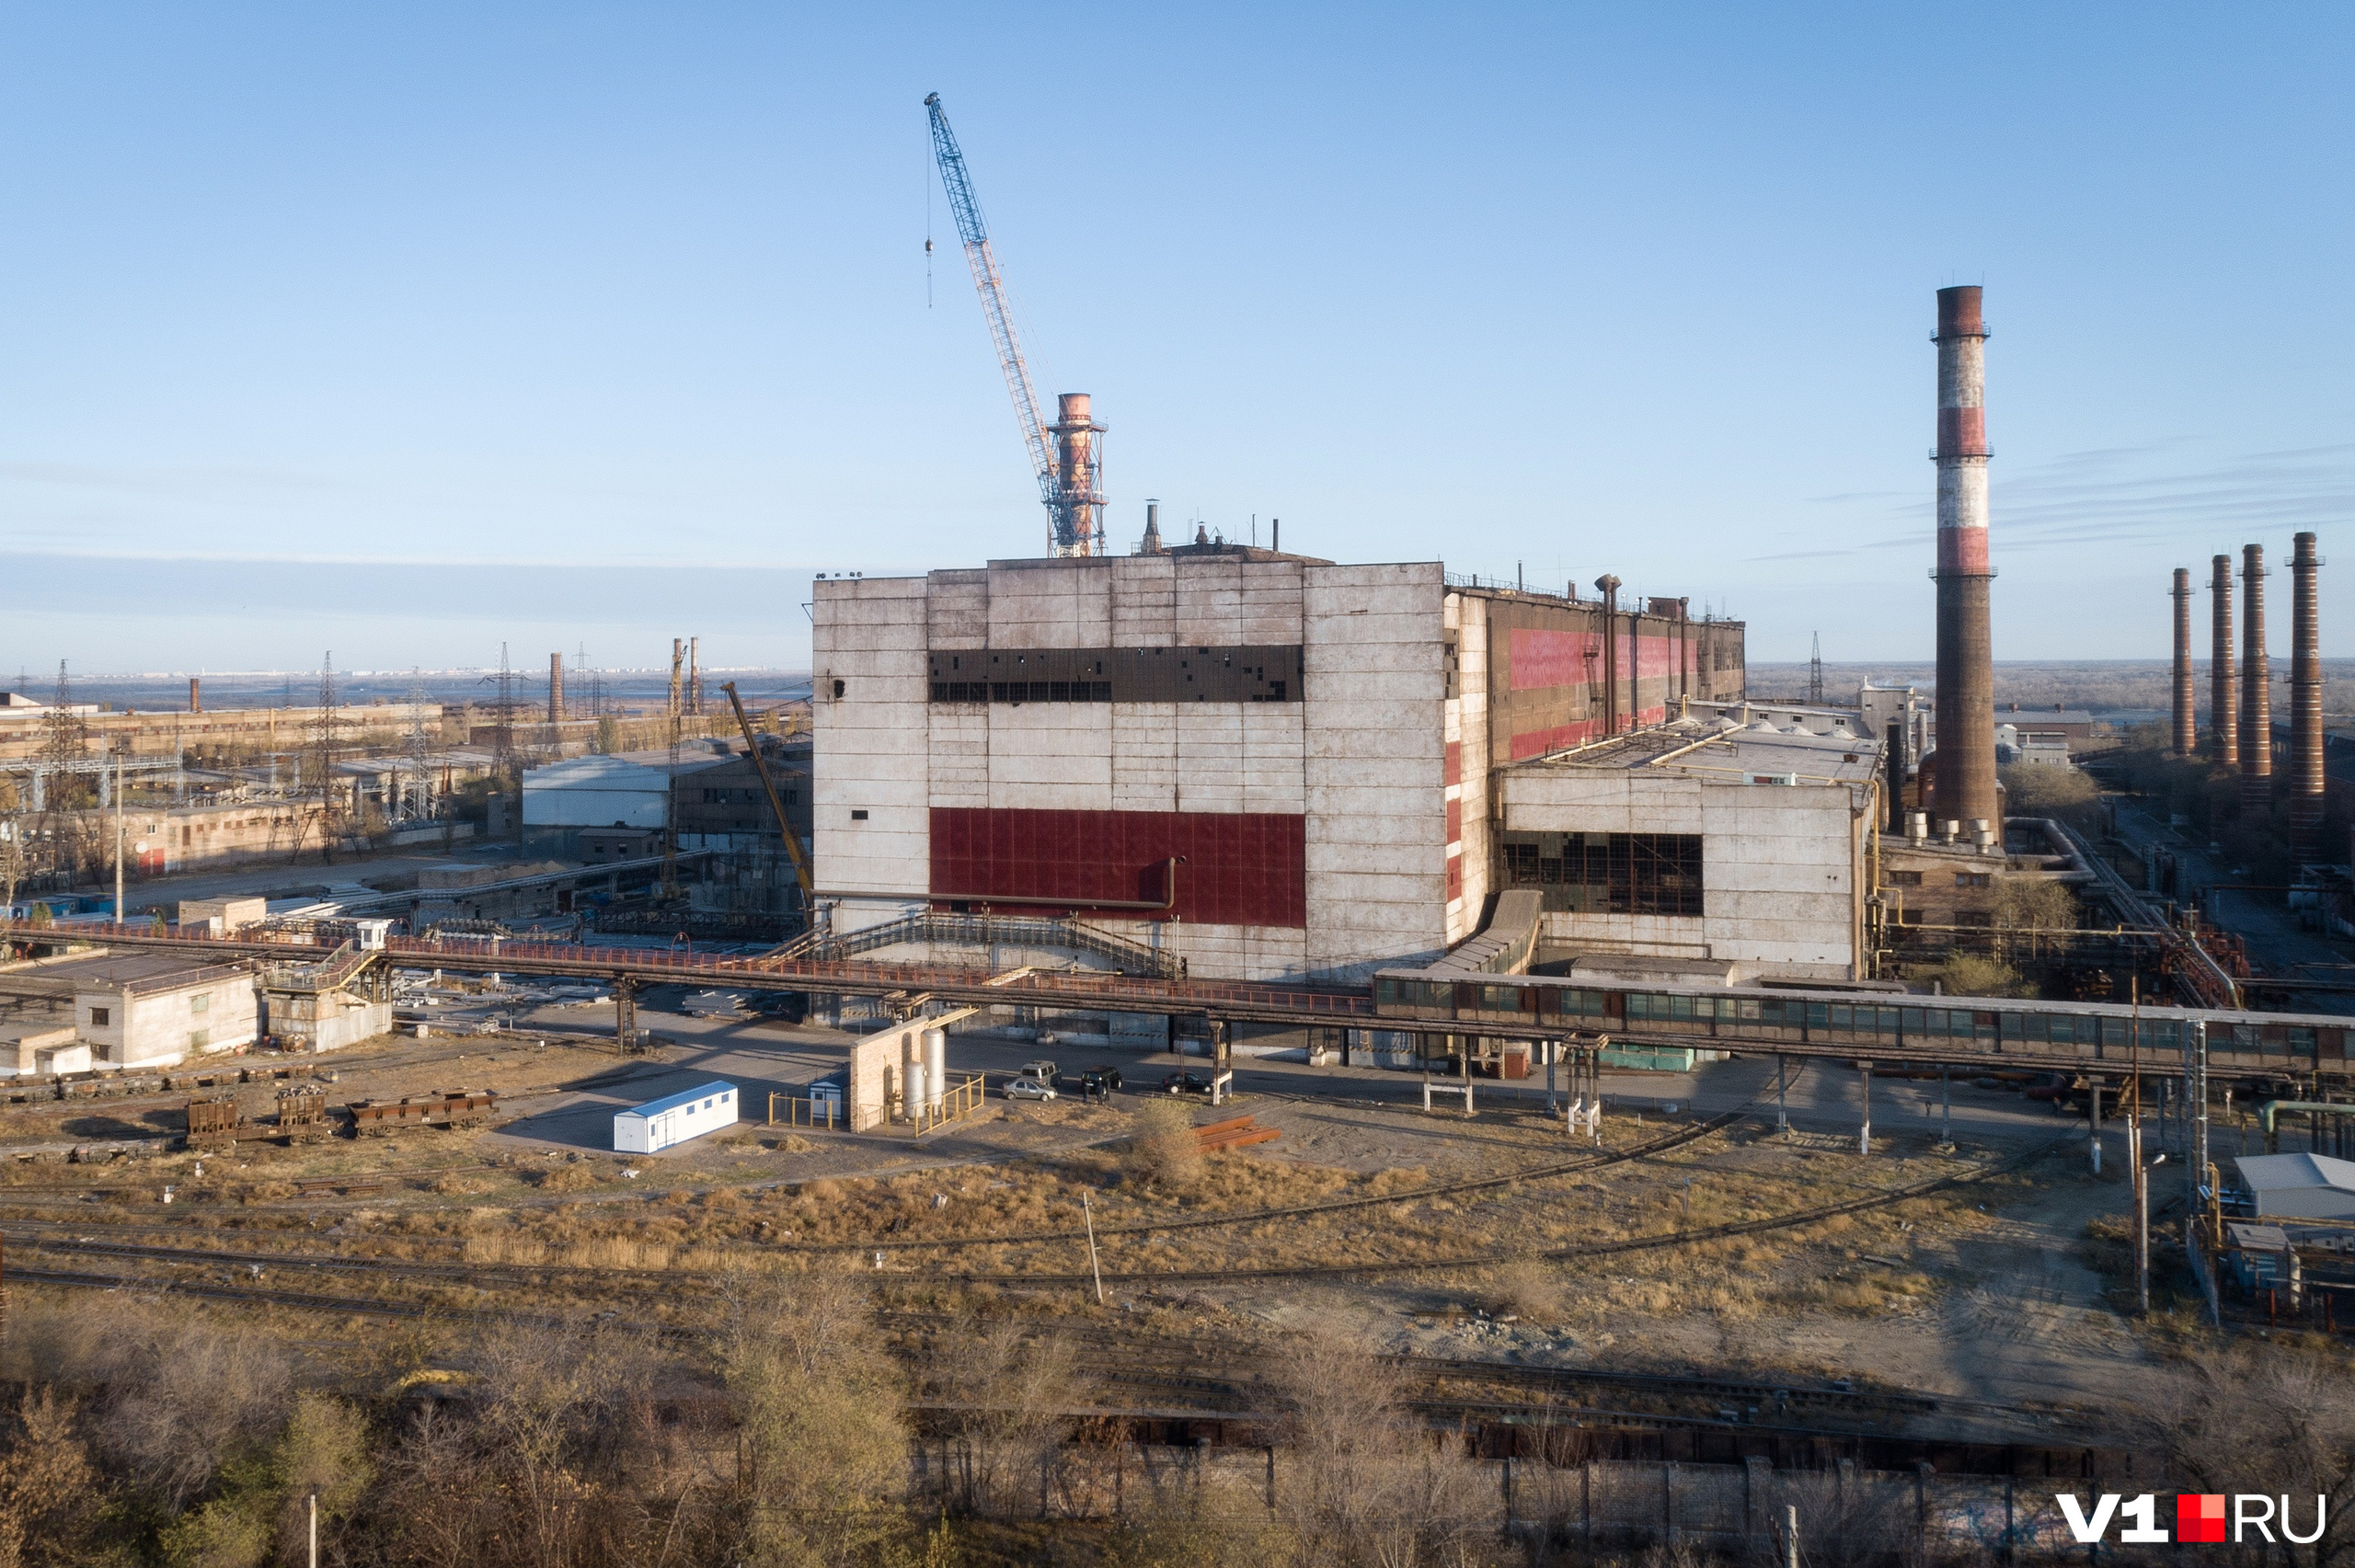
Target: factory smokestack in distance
(2305, 703)
(2181, 593)
(555, 688)
(2257, 693)
(2224, 695)
(1965, 779)
(195, 694)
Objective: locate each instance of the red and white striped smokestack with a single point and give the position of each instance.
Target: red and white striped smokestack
(2305, 703)
(2224, 694)
(2181, 594)
(2257, 692)
(1966, 698)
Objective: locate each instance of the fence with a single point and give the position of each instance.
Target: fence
(801, 1110)
(1846, 1514)
(953, 1104)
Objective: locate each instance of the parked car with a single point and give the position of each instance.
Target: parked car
(1045, 1072)
(1028, 1089)
(1099, 1082)
(1185, 1083)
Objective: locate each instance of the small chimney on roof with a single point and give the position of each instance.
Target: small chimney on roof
(1201, 533)
(1150, 545)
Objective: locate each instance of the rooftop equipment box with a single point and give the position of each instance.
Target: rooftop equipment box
(674, 1118)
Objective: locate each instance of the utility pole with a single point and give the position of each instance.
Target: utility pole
(118, 833)
(2142, 1183)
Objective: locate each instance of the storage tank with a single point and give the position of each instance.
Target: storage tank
(913, 1097)
(935, 1065)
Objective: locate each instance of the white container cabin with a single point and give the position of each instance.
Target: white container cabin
(658, 1124)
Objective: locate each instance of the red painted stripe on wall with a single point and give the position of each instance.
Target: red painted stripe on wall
(1454, 876)
(1454, 821)
(1962, 432)
(1552, 658)
(1241, 868)
(1451, 770)
(1537, 742)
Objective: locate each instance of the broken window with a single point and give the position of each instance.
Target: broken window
(1620, 874)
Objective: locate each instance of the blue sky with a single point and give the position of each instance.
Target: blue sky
(624, 308)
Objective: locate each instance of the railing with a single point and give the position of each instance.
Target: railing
(1133, 957)
(801, 1110)
(954, 1105)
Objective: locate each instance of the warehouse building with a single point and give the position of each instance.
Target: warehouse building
(610, 808)
(1271, 765)
(135, 1009)
(1722, 836)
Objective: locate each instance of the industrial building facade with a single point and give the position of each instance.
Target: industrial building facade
(1272, 766)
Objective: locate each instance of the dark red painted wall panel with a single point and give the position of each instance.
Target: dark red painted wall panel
(1241, 868)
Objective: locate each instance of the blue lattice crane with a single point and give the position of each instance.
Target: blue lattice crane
(1066, 455)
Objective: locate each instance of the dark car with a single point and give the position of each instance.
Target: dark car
(790, 1005)
(1185, 1083)
(1098, 1082)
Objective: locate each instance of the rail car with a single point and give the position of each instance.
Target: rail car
(214, 1122)
(451, 1108)
(1760, 1018)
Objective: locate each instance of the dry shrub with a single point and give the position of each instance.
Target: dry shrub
(824, 1192)
(1162, 1148)
(568, 1179)
(817, 1399)
(460, 1186)
(1387, 1183)
(1526, 1288)
(791, 1143)
(1014, 1391)
(502, 1249)
(1364, 1485)
(267, 1192)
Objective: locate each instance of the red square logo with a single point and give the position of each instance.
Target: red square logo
(2200, 1515)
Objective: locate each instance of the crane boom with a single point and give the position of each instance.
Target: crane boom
(1069, 522)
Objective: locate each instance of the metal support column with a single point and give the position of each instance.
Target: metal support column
(1865, 1128)
(1946, 1105)
(625, 1014)
(1782, 1084)
(2093, 1119)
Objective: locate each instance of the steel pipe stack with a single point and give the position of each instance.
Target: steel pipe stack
(2184, 741)
(555, 688)
(2257, 695)
(1965, 779)
(2224, 698)
(2305, 704)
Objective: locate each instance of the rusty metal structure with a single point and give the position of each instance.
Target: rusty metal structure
(2256, 692)
(2224, 690)
(1965, 778)
(212, 1122)
(2185, 739)
(2305, 703)
(451, 1108)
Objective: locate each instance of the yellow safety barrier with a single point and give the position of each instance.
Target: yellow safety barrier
(802, 1111)
(955, 1103)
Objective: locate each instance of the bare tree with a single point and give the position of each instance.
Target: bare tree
(1009, 1393)
(817, 1402)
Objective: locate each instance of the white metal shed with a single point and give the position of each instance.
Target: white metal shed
(2299, 1186)
(658, 1124)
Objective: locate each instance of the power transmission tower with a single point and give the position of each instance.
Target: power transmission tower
(322, 766)
(420, 755)
(65, 741)
(1815, 674)
(670, 781)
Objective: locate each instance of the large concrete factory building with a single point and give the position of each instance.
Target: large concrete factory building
(1268, 765)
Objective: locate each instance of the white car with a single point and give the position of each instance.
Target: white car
(1028, 1089)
